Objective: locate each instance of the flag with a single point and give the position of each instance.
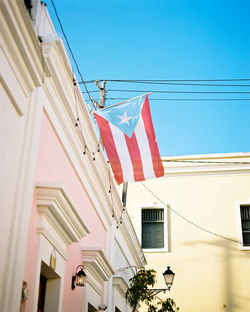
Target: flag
(129, 139)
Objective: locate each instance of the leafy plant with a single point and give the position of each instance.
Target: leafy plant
(167, 305)
(138, 290)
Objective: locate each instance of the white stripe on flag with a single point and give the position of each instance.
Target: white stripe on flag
(145, 151)
(123, 153)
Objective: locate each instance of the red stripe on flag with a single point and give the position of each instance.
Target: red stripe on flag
(148, 123)
(110, 147)
(135, 156)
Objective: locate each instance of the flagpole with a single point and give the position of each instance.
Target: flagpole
(121, 102)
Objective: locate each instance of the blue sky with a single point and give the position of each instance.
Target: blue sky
(169, 39)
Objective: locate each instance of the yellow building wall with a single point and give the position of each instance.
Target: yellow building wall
(211, 273)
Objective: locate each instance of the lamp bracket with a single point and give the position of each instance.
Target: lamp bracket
(155, 291)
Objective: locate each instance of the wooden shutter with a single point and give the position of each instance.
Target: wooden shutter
(152, 228)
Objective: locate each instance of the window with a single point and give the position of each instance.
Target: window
(91, 308)
(152, 228)
(245, 224)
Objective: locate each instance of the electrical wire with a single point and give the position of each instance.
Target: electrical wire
(188, 221)
(179, 99)
(173, 91)
(71, 52)
(181, 82)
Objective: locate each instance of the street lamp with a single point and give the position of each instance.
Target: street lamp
(169, 278)
(79, 277)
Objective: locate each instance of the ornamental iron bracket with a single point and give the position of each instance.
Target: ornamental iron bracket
(155, 291)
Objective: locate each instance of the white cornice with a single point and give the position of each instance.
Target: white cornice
(211, 164)
(208, 156)
(120, 284)
(132, 241)
(96, 262)
(23, 45)
(55, 206)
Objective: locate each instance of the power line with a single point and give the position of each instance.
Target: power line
(70, 50)
(132, 80)
(174, 91)
(167, 99)
(188, 221)
(184, 82)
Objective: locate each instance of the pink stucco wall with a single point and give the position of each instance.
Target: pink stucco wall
(54, 165)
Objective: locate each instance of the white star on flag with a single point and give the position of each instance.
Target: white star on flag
(124, 118)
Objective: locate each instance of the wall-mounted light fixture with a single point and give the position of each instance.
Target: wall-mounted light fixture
(169, 278)
(79, 278)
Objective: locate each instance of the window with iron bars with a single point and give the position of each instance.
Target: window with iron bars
(152, 228)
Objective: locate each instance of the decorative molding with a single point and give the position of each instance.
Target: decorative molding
(94, 175)
(96, 262)
(19, 105)
(132, 240)
(55, 206)
(23, 45)
(210, 164)
(61, 112)
(120, 284)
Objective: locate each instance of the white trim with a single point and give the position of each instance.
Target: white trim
(98, 267)
(211, 164)
(154, 205)
(43, 254)
(120, 284)
(17, 102)
(119, 288)
(208, 156)
(128, 233)
(55, 205)
(19, 207)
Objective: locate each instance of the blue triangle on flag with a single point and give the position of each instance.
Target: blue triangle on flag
(124, 116)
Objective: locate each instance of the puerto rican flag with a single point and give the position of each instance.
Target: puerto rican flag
(129, 139)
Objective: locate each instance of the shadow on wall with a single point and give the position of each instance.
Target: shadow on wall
(233, 300)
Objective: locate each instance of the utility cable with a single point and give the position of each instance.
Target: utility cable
(182, 82)
(152, 99)
(188, 221)
(173, 91)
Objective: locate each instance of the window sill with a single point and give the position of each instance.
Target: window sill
(244, 248)
(154, 250)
